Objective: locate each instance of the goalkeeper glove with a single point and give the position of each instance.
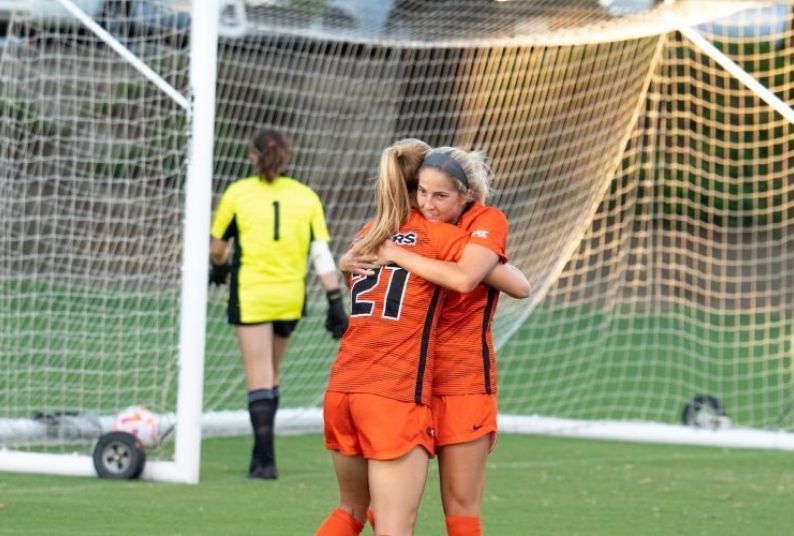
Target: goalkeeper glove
(219, 273)
(336, 321)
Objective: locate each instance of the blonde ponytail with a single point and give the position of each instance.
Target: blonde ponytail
(397, 180)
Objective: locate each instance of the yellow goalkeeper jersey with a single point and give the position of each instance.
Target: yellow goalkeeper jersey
(273, 225)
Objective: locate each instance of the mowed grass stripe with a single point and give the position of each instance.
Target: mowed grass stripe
(536, 485)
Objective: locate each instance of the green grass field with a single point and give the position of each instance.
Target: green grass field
(535, 485)
(574, 363)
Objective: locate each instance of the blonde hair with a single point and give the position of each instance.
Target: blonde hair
(397, 182)
(475, 166)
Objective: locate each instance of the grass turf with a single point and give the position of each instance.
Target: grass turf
(536, 485)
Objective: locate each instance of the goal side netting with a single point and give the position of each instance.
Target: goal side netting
(103, 166)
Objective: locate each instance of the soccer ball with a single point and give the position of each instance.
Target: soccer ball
(140, 422)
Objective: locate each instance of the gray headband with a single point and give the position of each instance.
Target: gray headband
(445, 163)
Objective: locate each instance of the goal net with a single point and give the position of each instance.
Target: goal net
(648, 190)
(680, 292)
(93, 175)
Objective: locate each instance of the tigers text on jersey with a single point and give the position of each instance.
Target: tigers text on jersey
(273, 224)
(388, 347)
(464, 358)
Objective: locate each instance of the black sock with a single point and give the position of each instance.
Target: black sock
(276, 394)
(262, 409)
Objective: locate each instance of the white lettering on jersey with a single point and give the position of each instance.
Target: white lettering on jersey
(405, 239)
(480, 233)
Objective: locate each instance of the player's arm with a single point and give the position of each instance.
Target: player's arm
(474, 264)
(510, 280)
(223, 229)
(324, 266)
(336, 320)
(462, 276)
(319, 252)
(219, 251)
(220, 264)
(353, 263)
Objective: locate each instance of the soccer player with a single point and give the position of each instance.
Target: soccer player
(376, 410)
(452, 186)
(276, 223)
(377, 422)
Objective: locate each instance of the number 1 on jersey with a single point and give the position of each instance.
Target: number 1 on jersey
(276, 207)
(394, 294)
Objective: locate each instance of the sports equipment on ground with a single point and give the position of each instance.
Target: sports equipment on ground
(119, 455)
(139, 422)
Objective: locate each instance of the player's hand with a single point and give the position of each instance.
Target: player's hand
(336, 321)
(219, 273)
(388, 252)
(355, 264)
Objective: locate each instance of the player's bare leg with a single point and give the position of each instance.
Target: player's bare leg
(256, 348)
(352, 479)
(396, 488)
(462, 473)
(279, 349)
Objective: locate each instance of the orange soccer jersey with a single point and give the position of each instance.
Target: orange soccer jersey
(464, 356)
(388, 345)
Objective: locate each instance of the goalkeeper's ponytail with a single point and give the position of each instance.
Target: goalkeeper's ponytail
(270, 153)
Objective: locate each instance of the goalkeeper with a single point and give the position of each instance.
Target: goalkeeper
(277, 224)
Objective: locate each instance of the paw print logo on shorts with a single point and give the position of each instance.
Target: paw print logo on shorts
(431, 432)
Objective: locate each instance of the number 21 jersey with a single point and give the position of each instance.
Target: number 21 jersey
(388, 346)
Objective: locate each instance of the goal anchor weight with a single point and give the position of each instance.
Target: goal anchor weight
(705, 411)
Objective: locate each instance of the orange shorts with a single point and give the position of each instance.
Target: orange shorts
(463, 418)
(376, 427)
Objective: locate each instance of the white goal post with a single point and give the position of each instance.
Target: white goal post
(199, 107)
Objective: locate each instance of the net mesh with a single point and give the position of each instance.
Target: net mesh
(341, 103)
(682, 285)
(648, 192)
(91, 188)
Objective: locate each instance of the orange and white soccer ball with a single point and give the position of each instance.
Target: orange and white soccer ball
(140, 422)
